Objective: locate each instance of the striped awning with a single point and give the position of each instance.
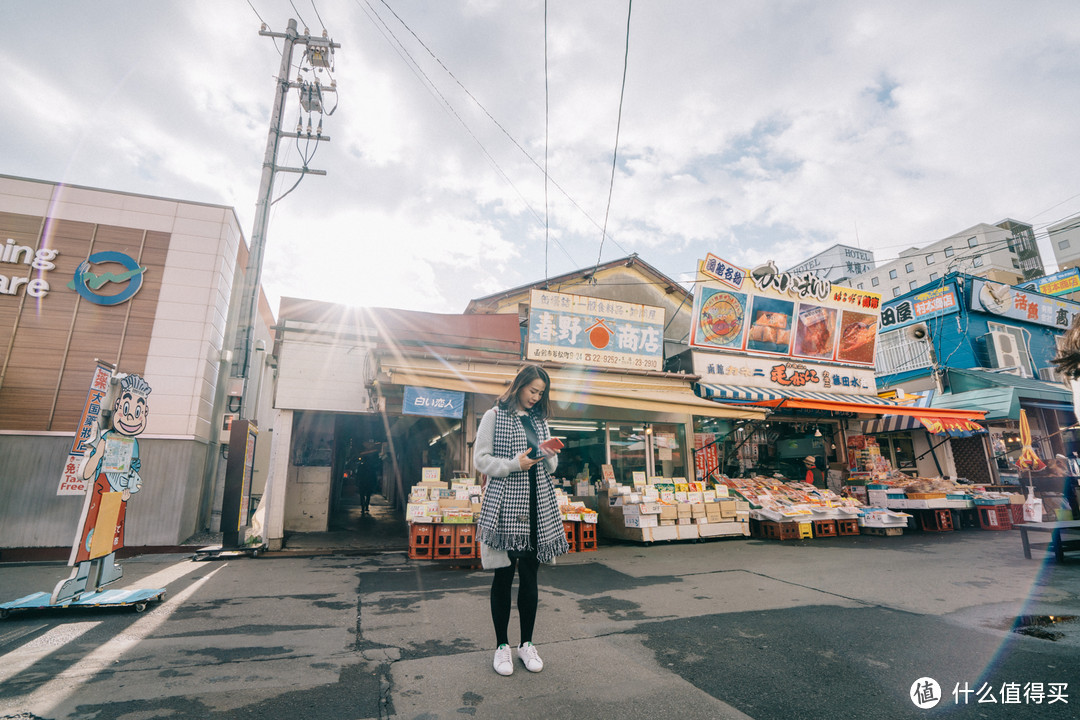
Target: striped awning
(741, 393)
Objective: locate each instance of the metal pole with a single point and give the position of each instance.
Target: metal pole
(249, 308)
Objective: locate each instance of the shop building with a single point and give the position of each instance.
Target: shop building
(141, 284)
(969, 343)
(803, 349)
(416, 385)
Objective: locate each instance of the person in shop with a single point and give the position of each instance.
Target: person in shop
(519, 515)
(1068, 362)
(369, 466)
(814, 475)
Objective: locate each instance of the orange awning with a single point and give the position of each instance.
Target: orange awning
(866, 408)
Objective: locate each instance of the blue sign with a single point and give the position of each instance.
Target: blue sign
(433, 403)
(86, 282)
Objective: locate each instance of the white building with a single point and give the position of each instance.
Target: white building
(837, 264)
(171, 319)
(1065, 242)
(1005, 253)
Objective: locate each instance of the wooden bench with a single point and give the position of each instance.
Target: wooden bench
(1056, 529)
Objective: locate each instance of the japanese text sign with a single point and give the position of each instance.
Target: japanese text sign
(745, 371)
(933, 303)
(70, 481)
(581, 330)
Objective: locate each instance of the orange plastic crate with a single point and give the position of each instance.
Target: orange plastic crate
(571, 529)
(824, 528)
(420, 535)
(586, 541)
(444, 541)
(465, 541)
(994, 517)
(847, 526)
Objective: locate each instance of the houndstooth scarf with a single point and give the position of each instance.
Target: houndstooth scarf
(504, 516)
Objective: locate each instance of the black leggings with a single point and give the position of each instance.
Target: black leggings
(528, 598)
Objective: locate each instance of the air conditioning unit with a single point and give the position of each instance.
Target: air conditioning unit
(1050, 374)
(999, 350)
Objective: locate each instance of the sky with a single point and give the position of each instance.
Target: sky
(753, 130)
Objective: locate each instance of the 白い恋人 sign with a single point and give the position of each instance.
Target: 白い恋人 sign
(432, 402)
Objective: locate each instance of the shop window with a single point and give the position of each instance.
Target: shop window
(900, 451)
(584, 450)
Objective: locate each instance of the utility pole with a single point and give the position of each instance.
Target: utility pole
(318, 56)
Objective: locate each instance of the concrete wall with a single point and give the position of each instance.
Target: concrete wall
(164, 512)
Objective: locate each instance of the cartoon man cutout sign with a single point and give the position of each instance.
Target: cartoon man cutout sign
(112, 466)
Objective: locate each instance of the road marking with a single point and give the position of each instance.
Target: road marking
(49, 696)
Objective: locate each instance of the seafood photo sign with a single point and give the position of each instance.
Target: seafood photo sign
(770, 313)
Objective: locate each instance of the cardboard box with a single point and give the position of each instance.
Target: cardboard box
(668, 512)
(683, 509)
(714, 517)
(697, 510)
(708, 496)
(686, 521)
(660, 533)
(742, 506)
(665, 523)
(727, 508)
(455, 504)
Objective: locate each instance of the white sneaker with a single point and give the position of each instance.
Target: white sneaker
(527, 653)
(504, 662)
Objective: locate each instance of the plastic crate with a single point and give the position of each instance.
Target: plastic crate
(571, 529)
(1017, 513)
(935, 520)
(995, 517)
(806, 530)
(465, 542)
(780, 530)
(443, 545)
(824, 528)
(420, 544)
(586, 538)
(847, 526)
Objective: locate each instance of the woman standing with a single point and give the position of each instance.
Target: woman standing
(519, 514)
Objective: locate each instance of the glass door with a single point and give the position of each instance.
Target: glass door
(667, 449)
(627, 444)
(654, 449)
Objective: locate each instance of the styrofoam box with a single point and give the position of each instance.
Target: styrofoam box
(641, 521)
(653, 534)
(723, 528)
(688, 532)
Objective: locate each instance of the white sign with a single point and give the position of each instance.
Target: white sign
(782, 374)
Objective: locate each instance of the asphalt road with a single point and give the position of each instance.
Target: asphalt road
(832, 628)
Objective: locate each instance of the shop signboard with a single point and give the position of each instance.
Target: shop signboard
(1010, 302)
(783, 315)
(432, 402)
(580, 330)
(932, 303)
(782, 374)
(1060, 283)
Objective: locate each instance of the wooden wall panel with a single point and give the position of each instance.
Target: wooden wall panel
(38, 370)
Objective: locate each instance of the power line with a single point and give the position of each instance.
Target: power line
(500, 126)
(618, 128)
(546, 116)
(447, 106)
(317, 15)
(298, 15)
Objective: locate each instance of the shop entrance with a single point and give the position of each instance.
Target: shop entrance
(657, 449)
(360, 499)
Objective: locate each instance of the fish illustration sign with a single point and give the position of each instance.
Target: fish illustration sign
(87, 283)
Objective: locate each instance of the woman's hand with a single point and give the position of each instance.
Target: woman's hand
(525, 462)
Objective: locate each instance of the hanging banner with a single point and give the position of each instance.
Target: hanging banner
(782, 314)
(71, 482)
(781, 374)
(582, 330)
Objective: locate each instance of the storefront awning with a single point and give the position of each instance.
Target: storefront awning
(935, 424)
(661, 393)
(836, 402)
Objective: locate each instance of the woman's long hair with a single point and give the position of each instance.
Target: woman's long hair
(1068, 360)
(508, 400)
